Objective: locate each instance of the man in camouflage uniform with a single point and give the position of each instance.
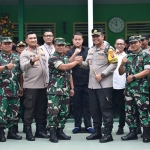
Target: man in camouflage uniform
(59, 88)
(137, 67)
(10, 75)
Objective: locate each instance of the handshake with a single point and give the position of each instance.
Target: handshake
(79, 59)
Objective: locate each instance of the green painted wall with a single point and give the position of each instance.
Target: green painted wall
(70, 14)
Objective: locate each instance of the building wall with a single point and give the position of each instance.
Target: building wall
(70, 14)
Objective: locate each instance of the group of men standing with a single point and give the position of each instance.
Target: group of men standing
(47, 77)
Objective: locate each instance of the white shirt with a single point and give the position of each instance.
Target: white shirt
(48, 50)
(119, 80)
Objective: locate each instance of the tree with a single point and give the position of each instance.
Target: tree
(6, 26)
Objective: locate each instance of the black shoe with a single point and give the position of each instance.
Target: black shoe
(61, 135)
(130, 136)
(106, 138)
(2, 135)
(120, 131)
(29, 135)
(146, 137)
(41, 131)
(15, 128)
(138, 130)
(107, 135)
(96, 135)
(12, 134)
(53, 137)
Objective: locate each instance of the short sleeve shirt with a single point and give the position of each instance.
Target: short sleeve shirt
(9, 79)
(59, 80)
(138, 62)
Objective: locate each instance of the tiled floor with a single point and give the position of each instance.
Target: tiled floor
(77, 142)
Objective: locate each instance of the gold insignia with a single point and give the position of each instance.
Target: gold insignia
(95, 31)
(21, 42)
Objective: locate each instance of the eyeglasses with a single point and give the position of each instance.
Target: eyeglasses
(48, 35)
(121, 44)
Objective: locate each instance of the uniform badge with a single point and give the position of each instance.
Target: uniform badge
(111, 54)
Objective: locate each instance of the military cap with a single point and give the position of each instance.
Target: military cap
(21, 43)
(134, 38)
(97, 31)
(59, 41)
(6, 39)
(68, 44)
(144, 36)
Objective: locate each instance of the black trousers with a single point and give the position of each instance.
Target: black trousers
(100, 107)
(118, 98)
(34, 102)
(80, 106)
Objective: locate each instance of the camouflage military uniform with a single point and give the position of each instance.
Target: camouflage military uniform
(9, 90)
(58, 92)
(136, 92)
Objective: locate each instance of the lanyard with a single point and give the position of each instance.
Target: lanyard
(47, 50)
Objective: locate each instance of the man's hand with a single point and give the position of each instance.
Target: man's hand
(10, 66)
(71, 92)
(79, 59)
(129, 78)
(125, 60)
(21, 91)
(36, 58)
(77, 51)
(98, 77)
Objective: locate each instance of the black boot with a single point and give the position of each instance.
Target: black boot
(40, 131)
(146, 137)
(15, 128)
(29, 135)
(61, 135)
(130, 136)
(53, 137)
(12, 134)
(96, 135)
(2, 135)
(103, 130)
(107, 135)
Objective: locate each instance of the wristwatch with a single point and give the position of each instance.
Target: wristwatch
(31, 62)
(134, 78)
(6, 67)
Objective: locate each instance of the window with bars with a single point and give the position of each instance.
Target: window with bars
(83, 28)
(137, 28)
(38, 28)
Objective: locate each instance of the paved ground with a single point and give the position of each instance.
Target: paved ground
(77, 142)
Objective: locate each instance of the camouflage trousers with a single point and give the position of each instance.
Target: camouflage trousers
(142, 103)
(9, 107)
(58, 110)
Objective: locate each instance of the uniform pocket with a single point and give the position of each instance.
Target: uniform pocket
(28, 101)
